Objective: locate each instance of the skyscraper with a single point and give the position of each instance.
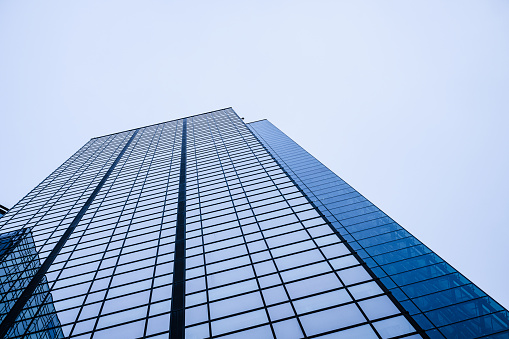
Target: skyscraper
(209, 227)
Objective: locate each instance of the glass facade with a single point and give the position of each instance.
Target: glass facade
(207, 227)
(442, 301)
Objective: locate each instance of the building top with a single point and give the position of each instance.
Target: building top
(164, 122)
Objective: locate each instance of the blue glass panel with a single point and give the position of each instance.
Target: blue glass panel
(362, 218)
(368, 225)
(480, 326)
(463, 311)
(401, 254)
(344, 213)
(377, 230)
(412, 263)
(392, 245)
(448, 297)
(381, 238)
(423, 273)
(435, 284)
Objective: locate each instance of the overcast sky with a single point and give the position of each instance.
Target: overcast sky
(408, 101)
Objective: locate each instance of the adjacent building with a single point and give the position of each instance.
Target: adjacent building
(18, 265)
(209, 227)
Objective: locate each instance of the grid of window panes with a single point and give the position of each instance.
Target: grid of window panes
(113, 277)
(47, 211)
(260, 260)
(441, 300)
(59, 197)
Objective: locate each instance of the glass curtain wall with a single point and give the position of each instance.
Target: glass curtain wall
(441, 300)
(260, 260)
(188, 227)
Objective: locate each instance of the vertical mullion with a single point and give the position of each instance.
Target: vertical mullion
(177, 317)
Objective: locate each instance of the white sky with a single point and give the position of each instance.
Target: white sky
(408, 101)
